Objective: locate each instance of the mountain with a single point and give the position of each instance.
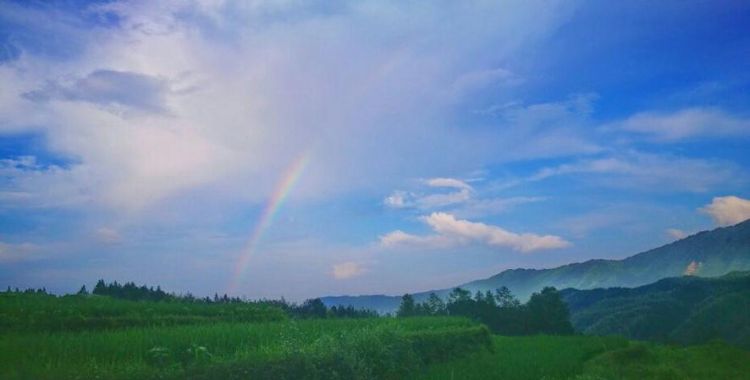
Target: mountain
(685, 310)
(706, 254)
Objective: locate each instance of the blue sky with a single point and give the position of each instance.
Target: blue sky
(444, 141)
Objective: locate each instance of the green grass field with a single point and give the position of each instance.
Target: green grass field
(344, 348)
(594, 358)
(84, 337)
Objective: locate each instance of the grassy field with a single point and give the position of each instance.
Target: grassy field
(92, 337)
(322, 349)
(43, 312)
(594, 358)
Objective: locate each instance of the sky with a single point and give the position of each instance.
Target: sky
(311, 148)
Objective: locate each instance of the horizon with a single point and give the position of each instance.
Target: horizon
(313, 149)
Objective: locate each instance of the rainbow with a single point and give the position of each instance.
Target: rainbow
(280, 193)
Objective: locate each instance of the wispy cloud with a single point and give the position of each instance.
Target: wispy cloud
(645, 171)
(454, 232)
(109, 88)
(684, 124)
(402, 199)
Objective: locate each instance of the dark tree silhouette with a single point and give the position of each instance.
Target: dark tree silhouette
(407, 307)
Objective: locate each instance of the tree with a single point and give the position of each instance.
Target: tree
(314, 308)
(407, 307)
(83, 291)
(435, 304)
(505, 298)
(548, 313)
(459, 295)
(100, 288)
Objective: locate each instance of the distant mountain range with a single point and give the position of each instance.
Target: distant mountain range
(685, 309)
(705, 254)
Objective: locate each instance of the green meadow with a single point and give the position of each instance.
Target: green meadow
(98, 337)
(594, 358)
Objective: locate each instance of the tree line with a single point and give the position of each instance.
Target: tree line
(501, 311)
(311, 308)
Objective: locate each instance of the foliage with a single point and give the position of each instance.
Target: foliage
(44, 312)
(545, 312)
(649, 361)
(117, 306)
(381, 348)
(683, 310)
(531, 357)
(593, 358)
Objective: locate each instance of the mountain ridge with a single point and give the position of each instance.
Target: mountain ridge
(708, 253)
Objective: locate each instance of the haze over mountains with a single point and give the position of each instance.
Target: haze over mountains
(706, 254)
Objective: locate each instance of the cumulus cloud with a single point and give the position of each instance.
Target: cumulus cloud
(728, 210)
(452, 232)
(685, 124)
(398, 199)
(347, 270)
(676, 234)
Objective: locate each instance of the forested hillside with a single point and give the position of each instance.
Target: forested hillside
(686, 310)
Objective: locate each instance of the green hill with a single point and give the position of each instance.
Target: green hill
(684, 309)
(705, 254)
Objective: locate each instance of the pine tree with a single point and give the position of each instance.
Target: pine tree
(83, 291)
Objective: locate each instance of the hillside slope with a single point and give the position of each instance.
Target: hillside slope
(705, 254)
(683, 310)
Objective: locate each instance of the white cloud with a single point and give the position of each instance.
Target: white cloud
(402, 199)
(685, 124)
(728, 210)
(451, 232)
(676, 234)
(398, 199)
(400, 238)
(229, 94)
(347, 270)
(448, 182)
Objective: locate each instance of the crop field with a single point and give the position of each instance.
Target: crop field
(42, 312)
(286, 348)
(92, 337)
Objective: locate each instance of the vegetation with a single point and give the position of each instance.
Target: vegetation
(593, 358)
(137, 332)
(639, 361)
(545, 312)
(113, 305)
(684, 310)
(44, 312)
(292, 349)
